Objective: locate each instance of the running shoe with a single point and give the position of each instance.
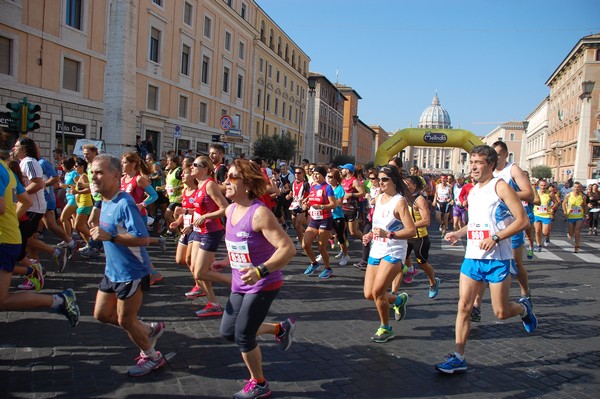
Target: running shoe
(529, 253)
(157, 329)
(155, 277)
(529, 320)
(547, 241)
(69, 307)
(537, 248)
(145, 365)
(211, 309)
(332, 243)
(299, 246)
(286, 333)
(74, 250)
(254, 390)
(362, 265)
(162, 243)
(382, 335)
(319, 258)
(27, 285)
(35, 280)
(89, 252)
(476, 314)
(409, 276)
(433, 291)
(60, 258)
(569, 237)
(339, 255)
(195, 292)
(312, 269)
(400, 310)
(452, 365)
(344, 260)
(326, 273)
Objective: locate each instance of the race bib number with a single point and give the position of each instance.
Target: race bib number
(187, 220)
(295, 205)
(543, 209)
(478, 232)
(170, 189)
(380, 239)
(576, 210)
(316, 214)
(239, 255)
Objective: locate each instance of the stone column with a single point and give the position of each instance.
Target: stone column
(583, 153)
(119, 126)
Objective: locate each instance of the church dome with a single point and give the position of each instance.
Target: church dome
(435, 116)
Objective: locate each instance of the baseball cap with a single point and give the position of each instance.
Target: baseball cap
(348, 166)
(282, 164)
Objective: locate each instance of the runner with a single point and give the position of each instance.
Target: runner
(543, 214)
(594, 209)
(575, 209)
(459, 212)
(127, 271)
(350, 204)
(488, 255)
(300, 191)
(392, 226)
(442, 202)
(258, 249)
(320, 203)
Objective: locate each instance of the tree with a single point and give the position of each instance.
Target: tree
(541, 172)
(275, 147)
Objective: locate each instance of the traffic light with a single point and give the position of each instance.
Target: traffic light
(30, 117)
(13, 118)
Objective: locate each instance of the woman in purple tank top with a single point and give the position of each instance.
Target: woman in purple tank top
(258, 249)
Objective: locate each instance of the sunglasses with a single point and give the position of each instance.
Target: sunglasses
(385, 179)
(232, 178)
(373, 178)
(198, 165)
(298, 173)
(329, 177)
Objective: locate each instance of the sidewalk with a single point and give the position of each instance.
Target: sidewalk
(332, 356)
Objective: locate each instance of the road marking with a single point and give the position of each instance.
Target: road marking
(447, 247)
(546, 255)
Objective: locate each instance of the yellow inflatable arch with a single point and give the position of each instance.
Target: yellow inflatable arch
(425, 138)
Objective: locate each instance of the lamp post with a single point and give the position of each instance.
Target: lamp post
(354, 137)
(582, 154)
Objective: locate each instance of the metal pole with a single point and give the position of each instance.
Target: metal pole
(62, 129)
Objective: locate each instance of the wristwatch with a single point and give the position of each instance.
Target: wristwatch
(496, 238)
(113, 237)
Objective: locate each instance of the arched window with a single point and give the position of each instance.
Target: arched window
(271, 40)
(262, 31)
(279, 46)
(287, 56)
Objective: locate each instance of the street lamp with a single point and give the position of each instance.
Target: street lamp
(587, 87)
(354, 137)
(312, 83)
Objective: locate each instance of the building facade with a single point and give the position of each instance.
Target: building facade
(573, 151)
(325, 117)
(513, 134)
(111, 70)
(533, 150)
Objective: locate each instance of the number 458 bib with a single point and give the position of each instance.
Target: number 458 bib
(239, 255)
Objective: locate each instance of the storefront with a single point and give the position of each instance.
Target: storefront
(68, 133)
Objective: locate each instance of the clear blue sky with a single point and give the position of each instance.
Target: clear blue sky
(488, 60)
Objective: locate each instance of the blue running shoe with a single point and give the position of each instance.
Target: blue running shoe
(312, 269)
(326, 273)
(433, 291)
(529, 320)
(452, 365)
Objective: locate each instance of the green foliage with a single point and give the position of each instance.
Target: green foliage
(541, 172)
(275, 147)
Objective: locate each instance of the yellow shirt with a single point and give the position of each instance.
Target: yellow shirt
(9, 224)
(574, 206)
(543, 210)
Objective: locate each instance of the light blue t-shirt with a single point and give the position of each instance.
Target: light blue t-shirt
(338, 192)
(121, 215)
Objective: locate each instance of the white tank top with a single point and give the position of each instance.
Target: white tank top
(487, 216)
(383, 217)
(443, 193)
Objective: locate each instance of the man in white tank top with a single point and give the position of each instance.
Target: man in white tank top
(495, 215)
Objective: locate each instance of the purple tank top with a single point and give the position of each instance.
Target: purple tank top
(247, 247)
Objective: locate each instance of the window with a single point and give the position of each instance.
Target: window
(154, 45)
(207, 27)
(5, 55)
(227, 41)
(512, 137)
(243, 11)
(183, 104)
(276, 105)
(223, 111)
(268, 102)
(157, 2)
(205, 69)
(242, 51)
(71, 74)
(285, 81)
(73, 17)
(185, 60)
(240, 86)
(270, 68)
(152, 103)
(188, 12)
(259, 99)
(283, 110)
(511, 157)
(226, 79)
(277, 76)
(260, 65)
(229, 3)
(203, 112)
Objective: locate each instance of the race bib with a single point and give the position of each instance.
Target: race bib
(478, 232)
(380, 239)
(170, 189)
(576, 209)
(187, 220)
(543, 209)
(316, 214)
(294, 205)
(239, 255)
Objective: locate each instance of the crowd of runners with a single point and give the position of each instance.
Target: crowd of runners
(99, 203)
